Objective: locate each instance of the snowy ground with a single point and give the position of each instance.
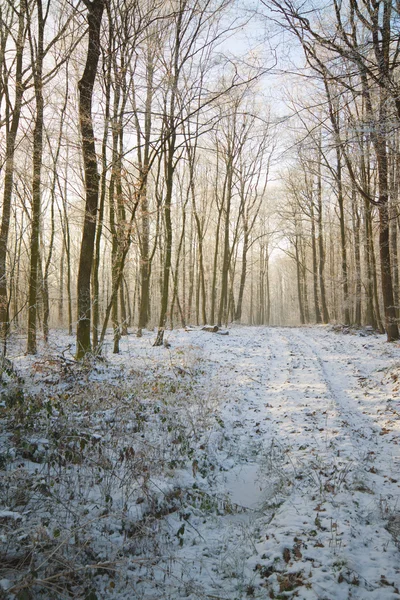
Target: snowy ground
(262, 464)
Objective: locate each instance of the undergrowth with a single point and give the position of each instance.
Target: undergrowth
(87, 479)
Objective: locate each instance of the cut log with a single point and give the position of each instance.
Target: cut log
(210, 328)
(220, 332)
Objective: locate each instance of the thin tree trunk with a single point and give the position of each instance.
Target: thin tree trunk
(343, 247)
(357, 258)
(36, 182)
(321, 249)
(61, 297)
(215, 267)
(223, 301)
(370, 317)
(200, 238)
(267, 288)
(314, 264)
(394, 236)
(170, 165)
(103, 189)
(175, 295)
(299, 283)
(45, 287)
(114, 226)
(168, 241)
(11, 136)
(243, 274)
(45, 282)
(375, 295)
(145, 258)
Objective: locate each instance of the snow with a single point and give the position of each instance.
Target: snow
(264, 463)
(9, 515)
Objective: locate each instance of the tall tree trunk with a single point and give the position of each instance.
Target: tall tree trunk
(175, 294)
(394, 244)
(191, 275)
(36, 181)
(66, 245)
(113, 215)
(145, 256)
(332, 276)
(46, 300)
(170, 164)
(86, 84)
(370, 317)
(226, 253)
(343, 247)
(200, 239)
(103, 189)
(392, 330)
(11, 136)
(261, 288)
(61, 280)
(357, 258)
(375, 295)
(121, 212)
(169, 173)
(299, 282)
(321, 248)
(314, 264)
(215, 268)
(243, 273)
(267, 316)
(379, 141)
(45, 284)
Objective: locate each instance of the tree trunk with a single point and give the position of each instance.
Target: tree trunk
(314, 264)
(145, 258)
(215, 267)
(113, 215)
(357, 258)
(103, 189)
(267, 316)
(394, 255)
(379, 141)
(392, 329)
(343, 248)
(243, 274)
(36, 183)
(86, 85)
(11, 135)
(321, 248)
(223, 302)
(299, 283)
(168, 241)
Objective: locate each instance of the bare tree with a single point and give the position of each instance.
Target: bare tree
(364, 38)
(95, 9)
(11, 79)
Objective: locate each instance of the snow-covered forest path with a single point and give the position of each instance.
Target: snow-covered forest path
(260, 464)
(313, 451)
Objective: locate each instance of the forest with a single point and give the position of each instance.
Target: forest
(199, 299)
(197, 162)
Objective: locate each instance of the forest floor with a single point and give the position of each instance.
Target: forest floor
(261, 464)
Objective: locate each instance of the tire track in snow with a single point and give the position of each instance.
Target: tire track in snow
(342, 412)
(339, 447)
(349, 400)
